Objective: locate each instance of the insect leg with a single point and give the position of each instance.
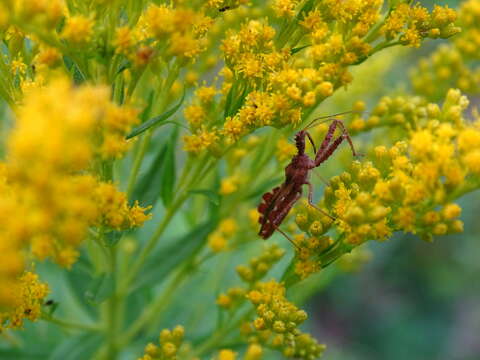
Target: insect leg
(328, 138)
(347, 136)
(310, 201)
(328, 151)
(288, 237)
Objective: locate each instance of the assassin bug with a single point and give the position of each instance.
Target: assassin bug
(276, 204)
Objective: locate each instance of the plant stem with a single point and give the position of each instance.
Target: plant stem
(138, 162)
(220, 334)
(69, 324)
(155, 307)
(112, 320)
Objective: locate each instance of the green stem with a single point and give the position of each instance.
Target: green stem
(215, 340)
(112, 304)
(138, 162)
(155, 307)
(69, 324)
(197, 176)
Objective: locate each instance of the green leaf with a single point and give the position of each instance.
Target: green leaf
(100, 288)
(77, 75)
(51, 308)
(113, 237)
(167, 170)
(159, 179)
(297, 49)
(228, 101)
(238, 102)
(212, 196)
(148, 187)
(144, 114)
(125, 64)
(305, 9)
(156, 120)
(168, 257)
(78, 347)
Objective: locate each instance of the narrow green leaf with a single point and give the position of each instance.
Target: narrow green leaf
(167, 173)
(305, 9)
(228, 100)
(148, 187)
(113, 237)
(213, 197)
(298, 49)
(125, 64)
(100, 289)
(144, 114)
(168, 257)
(51, 307)
(77, 347)
(238, 102)
(77, 75)
(156, 120)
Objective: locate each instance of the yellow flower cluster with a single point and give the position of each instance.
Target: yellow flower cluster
(468, 41)
(43, 13)
(272, 77)
(218, 240)
(284, 8)
(78, 30)
(257, 268)
(114, 211)
(354, 261)
(444, 69)
(49, 200)
(409, 25)
(410, 187)
(285, 150)
(277, 323)
(26, 298)
(170, 342)
(166, 31)
(451, 65)
(254, 352)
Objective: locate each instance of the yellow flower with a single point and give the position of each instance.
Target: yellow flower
(226, 355)
(27, 295)
(78, 29)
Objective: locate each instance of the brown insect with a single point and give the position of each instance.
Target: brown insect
(277, 203)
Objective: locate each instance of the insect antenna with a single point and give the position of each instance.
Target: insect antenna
(327, 118)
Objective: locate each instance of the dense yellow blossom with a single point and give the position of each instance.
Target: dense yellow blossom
(451, 65)
(279, 83)
(49, 199)
(277, 323)
(240, 66)
(408, 187)
(27, 296)
(169, 344)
